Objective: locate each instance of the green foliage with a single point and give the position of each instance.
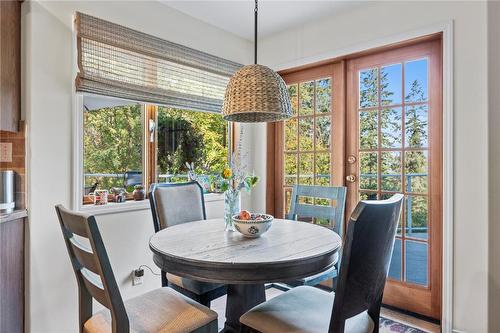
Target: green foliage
(189, 136)
(112, 143)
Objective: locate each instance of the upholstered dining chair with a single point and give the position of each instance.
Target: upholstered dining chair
(355, 306)
(332, 214)
(160, 310)
(178, 203)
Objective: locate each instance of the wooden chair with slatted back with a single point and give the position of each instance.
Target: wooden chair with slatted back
(355, 306)
(334, 214)
(152, 312)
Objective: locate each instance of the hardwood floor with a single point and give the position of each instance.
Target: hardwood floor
(219, 305)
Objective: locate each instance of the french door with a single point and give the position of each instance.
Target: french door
(385, 137)
(394, 145)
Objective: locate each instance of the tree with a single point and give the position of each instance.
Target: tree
(201, 138)
(112, 142)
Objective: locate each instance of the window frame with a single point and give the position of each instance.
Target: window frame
(149, 160)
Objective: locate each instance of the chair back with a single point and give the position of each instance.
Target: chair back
(366, 255)
(176, 203)
(92, 268)
(334, 213)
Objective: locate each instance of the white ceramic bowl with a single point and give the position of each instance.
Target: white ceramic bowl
(253, 227)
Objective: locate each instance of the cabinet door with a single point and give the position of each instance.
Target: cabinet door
(12, 276)
(10, 65)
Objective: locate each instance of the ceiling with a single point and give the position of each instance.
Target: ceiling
(274, 16)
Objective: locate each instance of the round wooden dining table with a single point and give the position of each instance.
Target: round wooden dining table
(203, 251)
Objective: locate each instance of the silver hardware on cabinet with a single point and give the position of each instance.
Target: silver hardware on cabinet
(7, 203)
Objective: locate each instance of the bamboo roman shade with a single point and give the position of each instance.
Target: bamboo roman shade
(117, 61)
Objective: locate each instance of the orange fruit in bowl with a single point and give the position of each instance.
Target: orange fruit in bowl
(245, 215)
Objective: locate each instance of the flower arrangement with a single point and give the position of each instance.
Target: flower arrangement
(231, 181)
(235, 177)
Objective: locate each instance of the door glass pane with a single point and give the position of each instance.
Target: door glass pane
(291, 134)
(306, 133)
(417, 216)
(368, 88)
(395, 267)
(368, 129)
(288, 196)
(367, 195)
(416, 262)
(323, 132)
(293, 92)
(323, 95)
(416, 81)
(368, 171)
(390, 128)
(385, 196)
(416, 126)
(306, 169)
(391, 84)
(306, 98)
(290, 169)
(391, 171)
(323, 169)
(416, 171)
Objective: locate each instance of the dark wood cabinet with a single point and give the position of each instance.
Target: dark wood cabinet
(10, 65)
(12, 274)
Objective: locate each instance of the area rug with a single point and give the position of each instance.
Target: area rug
(391, 326)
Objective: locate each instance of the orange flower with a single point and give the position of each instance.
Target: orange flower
(227, 173)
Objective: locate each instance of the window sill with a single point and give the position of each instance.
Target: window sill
(114, 208)
(128, 206)
(209, 197)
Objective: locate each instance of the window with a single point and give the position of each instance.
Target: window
(189, 136)
(122, 144)
(117, 145)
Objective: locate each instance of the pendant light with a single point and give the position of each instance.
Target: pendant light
(256, 93)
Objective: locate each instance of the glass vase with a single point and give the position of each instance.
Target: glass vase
(231, 207)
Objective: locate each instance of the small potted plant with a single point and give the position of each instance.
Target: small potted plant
(139, 193)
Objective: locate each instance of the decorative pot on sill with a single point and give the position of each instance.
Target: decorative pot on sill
(139, 193)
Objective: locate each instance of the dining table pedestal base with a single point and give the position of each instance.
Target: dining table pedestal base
(240, 299)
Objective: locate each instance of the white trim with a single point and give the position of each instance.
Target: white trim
(77, 153)
(115, 208)
(446, 28)
(128, 206)
(448, 171)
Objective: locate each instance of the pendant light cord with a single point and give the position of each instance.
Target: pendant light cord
(255, 32)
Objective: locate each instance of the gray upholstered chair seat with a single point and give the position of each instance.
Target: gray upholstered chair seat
(193, 286)
(159, 311)
(301, 310)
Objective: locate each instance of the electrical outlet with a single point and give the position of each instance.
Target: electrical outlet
(137, 277)
(6, 152)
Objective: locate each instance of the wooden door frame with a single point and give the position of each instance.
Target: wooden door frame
(446, 28)
(425, 300)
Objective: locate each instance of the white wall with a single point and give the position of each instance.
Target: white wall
(48, 76)
(494, 165)
(377, 20)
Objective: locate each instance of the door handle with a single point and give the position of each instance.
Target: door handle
(351, 178)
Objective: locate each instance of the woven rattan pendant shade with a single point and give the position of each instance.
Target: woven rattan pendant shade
(256, 93)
